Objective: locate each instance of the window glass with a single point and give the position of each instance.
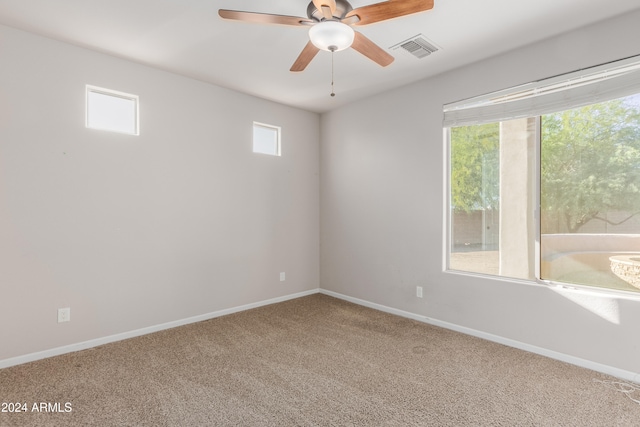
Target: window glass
(492, 197)
(586, 184)
(590, 195)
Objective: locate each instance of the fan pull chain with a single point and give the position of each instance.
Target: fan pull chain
(332, 52)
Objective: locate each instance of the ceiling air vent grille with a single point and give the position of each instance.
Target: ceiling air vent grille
(418, 46)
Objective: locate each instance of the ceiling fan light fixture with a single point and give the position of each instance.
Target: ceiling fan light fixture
(332, 36)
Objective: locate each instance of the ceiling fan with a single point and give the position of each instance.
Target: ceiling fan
(330, 23)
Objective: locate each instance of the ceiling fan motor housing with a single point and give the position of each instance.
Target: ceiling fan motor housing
(342, 8)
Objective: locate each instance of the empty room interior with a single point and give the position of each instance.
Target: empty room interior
(188, 164)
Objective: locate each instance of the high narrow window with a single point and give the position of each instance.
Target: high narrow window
(544, 180)
(266, 139)
(112, 111)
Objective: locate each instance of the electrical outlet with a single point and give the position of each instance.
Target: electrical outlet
(282, 276)
(419, 291)
(64, 315)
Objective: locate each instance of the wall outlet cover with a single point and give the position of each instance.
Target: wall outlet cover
(64, 315)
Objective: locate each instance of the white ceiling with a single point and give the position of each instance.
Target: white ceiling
(189, 38)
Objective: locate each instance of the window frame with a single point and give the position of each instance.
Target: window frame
(116, 94)
(448, 211)
(536, 214)
(278, 142)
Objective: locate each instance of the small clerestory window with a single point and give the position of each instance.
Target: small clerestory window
(266, 139)
(112, 111)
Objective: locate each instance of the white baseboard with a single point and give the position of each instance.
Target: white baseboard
(594, 366)
(138, 332)
(598, 367)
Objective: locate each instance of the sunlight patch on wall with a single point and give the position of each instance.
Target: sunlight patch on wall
(603, 307)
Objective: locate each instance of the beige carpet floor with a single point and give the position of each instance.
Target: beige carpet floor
(313, 361)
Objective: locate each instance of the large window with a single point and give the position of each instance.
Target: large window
(554, 194)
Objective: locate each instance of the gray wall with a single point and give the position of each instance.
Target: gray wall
(382, 210)
(185, 220)
(132, 232)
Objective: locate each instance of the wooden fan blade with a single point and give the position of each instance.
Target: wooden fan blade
(371, 50)
(305, 57)
(388, 10)
(322, 6)
(263, 18)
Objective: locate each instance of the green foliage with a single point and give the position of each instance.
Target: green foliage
(475, 167)
(590, 165)
(590, 161)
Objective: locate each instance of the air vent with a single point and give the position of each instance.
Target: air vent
(418, 46)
